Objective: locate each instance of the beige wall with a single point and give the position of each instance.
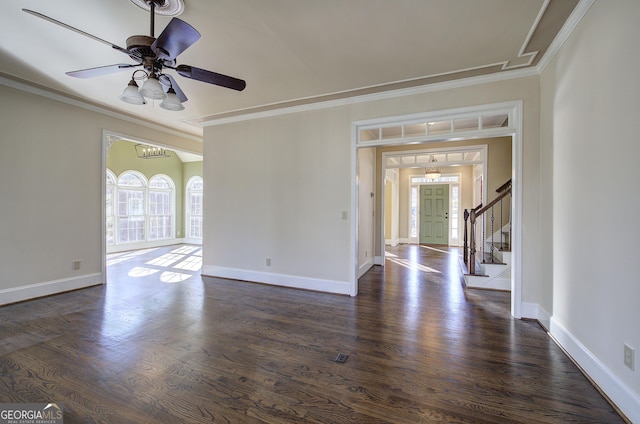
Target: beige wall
(590, 109)
(51, 173)
(246, 164)
(191, 169)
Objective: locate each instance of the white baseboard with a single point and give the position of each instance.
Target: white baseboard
(391, 242)
(535, 311)
(620, 394)
(47, 288)
(378, 260)
(362, 269)
(306, 283)
(148, 245)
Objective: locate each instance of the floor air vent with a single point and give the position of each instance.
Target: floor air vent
(341, 358)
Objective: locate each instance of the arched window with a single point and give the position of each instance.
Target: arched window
(161, 195)
(138, 210)
(110, 211)
(194, 207)
(131, 207)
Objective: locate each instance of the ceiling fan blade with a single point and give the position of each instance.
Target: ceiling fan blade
(86, 34)
(168, 81)
(100, 71)
(174, 39)
(211, 77)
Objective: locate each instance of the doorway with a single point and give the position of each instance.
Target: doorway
(148, 194)
(492, 120)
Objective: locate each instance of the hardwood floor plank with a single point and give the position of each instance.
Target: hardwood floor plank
(421, 350)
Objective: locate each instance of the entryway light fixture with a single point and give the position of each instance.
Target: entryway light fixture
(432, 172)
(149, 152)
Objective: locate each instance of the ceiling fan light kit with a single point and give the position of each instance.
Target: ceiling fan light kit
(154, 55)
(171, 102)
(131, 94)
(152, 89)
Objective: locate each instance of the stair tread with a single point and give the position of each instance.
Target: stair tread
(487, 260)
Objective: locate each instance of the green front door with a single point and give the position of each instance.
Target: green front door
(434, 214)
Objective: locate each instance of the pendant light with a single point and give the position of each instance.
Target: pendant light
(432, 171)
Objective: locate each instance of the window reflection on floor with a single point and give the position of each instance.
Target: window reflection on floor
(170, 264)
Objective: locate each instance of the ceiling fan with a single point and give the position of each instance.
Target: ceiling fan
(153, 55)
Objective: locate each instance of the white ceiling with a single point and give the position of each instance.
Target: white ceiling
(288, 51)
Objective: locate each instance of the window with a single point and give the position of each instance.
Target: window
(160, 208)
(137, 211)
(131, 210)
(110, 212)
(194, 207)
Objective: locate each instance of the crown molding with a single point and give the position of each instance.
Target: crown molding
(308, 104)
(50, 94)
(384, 95)
(567, 29)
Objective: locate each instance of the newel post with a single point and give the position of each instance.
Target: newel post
(472, 247)
(466, 244)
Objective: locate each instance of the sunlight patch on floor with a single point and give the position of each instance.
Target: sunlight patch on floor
(186, 250)
(116, 258)
(448, 252)
(178, 264)
(139, 271)
(173, 277)
(413, 265)
(166, 260)
(192, 263)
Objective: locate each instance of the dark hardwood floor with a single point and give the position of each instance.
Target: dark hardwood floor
(160, 344)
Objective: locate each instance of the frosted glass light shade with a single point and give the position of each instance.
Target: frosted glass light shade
(131, 94)
(152, 89)
(171, 102)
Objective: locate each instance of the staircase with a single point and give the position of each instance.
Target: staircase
(494, 270)
(488, 266)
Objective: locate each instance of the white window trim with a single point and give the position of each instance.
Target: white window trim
(172, 204)
(114, 187)
(187, 214)
(123, 246)
(145, 198)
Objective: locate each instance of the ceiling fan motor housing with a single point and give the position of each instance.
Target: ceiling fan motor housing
(140, 45)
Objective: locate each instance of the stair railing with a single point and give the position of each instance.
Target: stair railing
(472, 215)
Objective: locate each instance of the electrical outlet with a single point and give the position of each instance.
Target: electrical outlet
(75, 265)
(267, 262)
(629, 357)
